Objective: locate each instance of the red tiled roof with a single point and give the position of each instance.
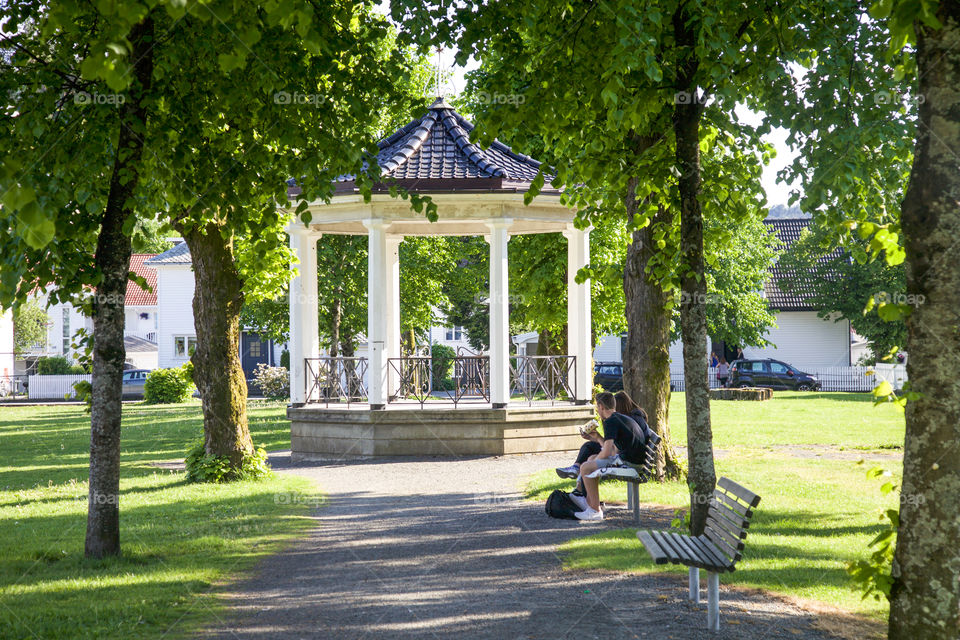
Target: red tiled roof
(136, 296)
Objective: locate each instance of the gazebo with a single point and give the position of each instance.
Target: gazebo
(384, 404)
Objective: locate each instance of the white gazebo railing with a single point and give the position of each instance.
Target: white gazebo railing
(532, 379)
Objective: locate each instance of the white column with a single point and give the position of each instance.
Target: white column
(392, 301)
(304, 316)
(499, 314)
(378, 275)
(579, 321)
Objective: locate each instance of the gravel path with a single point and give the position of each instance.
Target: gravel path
(446, 549)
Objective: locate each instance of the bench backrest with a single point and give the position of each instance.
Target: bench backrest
(650, 458)
(728, 517)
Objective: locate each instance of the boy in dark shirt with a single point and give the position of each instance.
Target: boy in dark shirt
(623, 443)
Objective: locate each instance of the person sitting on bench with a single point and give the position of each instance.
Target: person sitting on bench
(628, 407)
(623, 444)
(594, 442)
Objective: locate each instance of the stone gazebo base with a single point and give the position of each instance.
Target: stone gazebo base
(324, 433)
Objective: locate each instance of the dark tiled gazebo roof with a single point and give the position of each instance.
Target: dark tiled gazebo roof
(434, 153)
(789, 230)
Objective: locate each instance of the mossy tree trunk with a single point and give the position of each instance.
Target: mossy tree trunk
(646, 358)
(217, 371)
(113, 263)
(925, 596)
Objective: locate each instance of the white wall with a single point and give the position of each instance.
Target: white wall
(134, 324)
(175, 311)
(801, 338)
(56, 317)
(6, 343)
(608, 349)
(806, 341)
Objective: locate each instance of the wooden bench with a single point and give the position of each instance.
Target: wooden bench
(717, 550)
(634, 478)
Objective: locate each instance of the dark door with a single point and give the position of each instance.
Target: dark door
(253, 351)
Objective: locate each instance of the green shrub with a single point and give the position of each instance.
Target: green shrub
(168, 386)
(446, 384)
(57, 366)
(202, 467)
(442, 361)
(285, 359)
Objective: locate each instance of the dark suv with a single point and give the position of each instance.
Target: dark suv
(608, 375)
(770, 373)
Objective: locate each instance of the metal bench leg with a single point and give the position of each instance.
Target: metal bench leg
(695, 584)
(636, 502)
(713, 601)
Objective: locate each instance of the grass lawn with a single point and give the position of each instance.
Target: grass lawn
(818, 510)
(179, 540)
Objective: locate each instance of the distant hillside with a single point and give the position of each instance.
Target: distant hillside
(779, 212)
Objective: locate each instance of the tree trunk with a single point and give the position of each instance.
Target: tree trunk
(217, 299)
(925, 595)
(335, 318)
(701, 475)
(113, 264)
(646, 360)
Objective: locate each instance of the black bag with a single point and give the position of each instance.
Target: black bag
(559, 505)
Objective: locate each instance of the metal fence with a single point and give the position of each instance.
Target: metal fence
(550, 378)
(831, 378)
(13, 387)
(336, 379)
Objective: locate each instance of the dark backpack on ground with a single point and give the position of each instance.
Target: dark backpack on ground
(559, 505)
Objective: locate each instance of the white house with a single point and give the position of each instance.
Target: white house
(799, 338)
(64, 320)
(175, 332)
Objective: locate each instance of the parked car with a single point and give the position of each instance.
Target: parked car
(608, 375)
(770, 373)
(133, 380)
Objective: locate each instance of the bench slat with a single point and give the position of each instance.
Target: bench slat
(700, 559)
(656, 552)
(726, 525)
(739, 491)
(733, 504)
(674, 553)
(735, 519)
(715, 550)
(717, 558)
(722, 544)
(728, 537)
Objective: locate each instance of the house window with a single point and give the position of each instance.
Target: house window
(254, 347)
(184, 346)
(454, 333)
(66, 330)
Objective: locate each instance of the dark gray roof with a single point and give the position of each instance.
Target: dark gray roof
(434, 152)
(177, 254)
(789, 230)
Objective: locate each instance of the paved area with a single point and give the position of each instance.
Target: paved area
(446, 549)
